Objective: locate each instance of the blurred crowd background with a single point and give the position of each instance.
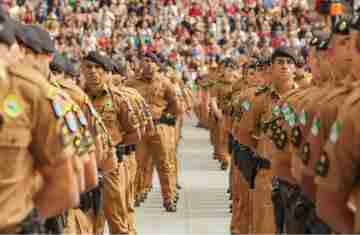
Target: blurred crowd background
(184, 34)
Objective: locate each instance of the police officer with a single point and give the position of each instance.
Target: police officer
(160, 96)
(123, 126)
(43, 171)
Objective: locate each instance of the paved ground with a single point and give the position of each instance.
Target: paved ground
(203, 206)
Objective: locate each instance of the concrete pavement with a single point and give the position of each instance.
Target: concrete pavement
(203, 206)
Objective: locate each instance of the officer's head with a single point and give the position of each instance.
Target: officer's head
(283, 65)
(250, 72)
(37, 45)
(96, 68)
(7, 39)
(355, 38)
(150, 66)
(339, 48)
(57, 65)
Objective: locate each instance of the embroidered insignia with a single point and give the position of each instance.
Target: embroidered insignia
(108, 104)
(71, 121)
(261, 89)
(335, 131)
(65, 135)
(343, 26)
(322, 165)
(296, 136)
(292, 118)
(303, 117)
(58, 107)
(276, 110)
(281, 142)
(315, 126)
(82, 117)
(305, 154)
(12, 106)
(246, 105)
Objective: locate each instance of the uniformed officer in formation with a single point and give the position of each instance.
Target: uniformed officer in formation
(293, 142)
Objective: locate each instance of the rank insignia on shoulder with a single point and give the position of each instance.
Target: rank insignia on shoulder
(108, 104)
(292, 119)
(246, 105)
(303, 117)
(58, 107)
(296, 136)
(335, 131)
(261, 90)
(65, 135)
(315, 126)
(71, 121)
(281, 140)
(276, 110)
(51, 93)
(305, 154)
(12, 106)
(82, 117)
(92, 110)
(322, 165)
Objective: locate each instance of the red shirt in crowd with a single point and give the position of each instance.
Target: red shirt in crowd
(195, 10)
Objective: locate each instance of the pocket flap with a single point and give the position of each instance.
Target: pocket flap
(11, 137)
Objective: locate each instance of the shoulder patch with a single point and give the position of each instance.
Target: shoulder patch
(261, 90)
(12, 106)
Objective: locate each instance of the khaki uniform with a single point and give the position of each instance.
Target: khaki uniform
(242, 198)
(337, 168)
(29, 106)
(120, 120)
(143, 115)
(222, 92)
(160, 96)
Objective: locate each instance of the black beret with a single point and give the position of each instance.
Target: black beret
(72, 67)
(58, 64)
(283, 52)
(320, 40)
(342, 27)
(96, 58)
(154, 58)
(7, 30)
(27, 36)
(355, 22)
(47, 44)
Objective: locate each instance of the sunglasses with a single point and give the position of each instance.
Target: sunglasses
(284, 61)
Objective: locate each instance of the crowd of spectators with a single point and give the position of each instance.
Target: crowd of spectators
(182, 33)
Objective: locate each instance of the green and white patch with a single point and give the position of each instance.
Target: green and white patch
(246, 105)
(335, 131)
(303, 117)
(315, 126)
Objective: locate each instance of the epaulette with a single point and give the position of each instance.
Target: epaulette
(28, 73)
(261, 90)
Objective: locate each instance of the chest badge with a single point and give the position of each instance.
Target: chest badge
(12, 106)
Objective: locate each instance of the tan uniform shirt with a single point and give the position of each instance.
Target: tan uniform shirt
(159, 94)
(117, 113)
(35, 130)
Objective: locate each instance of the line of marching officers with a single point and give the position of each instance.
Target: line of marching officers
(78, 142)
(292, 138)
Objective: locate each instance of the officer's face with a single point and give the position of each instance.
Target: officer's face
(339, 53)
(282, 69)
(355, 53)
(148, 69)
(95, 75)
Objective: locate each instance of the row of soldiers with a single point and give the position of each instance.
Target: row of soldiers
(293, 141)
(78, 141)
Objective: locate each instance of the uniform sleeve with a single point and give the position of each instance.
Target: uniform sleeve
(174, 105)
(128, 120)
(53, 140)
(337, 167)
